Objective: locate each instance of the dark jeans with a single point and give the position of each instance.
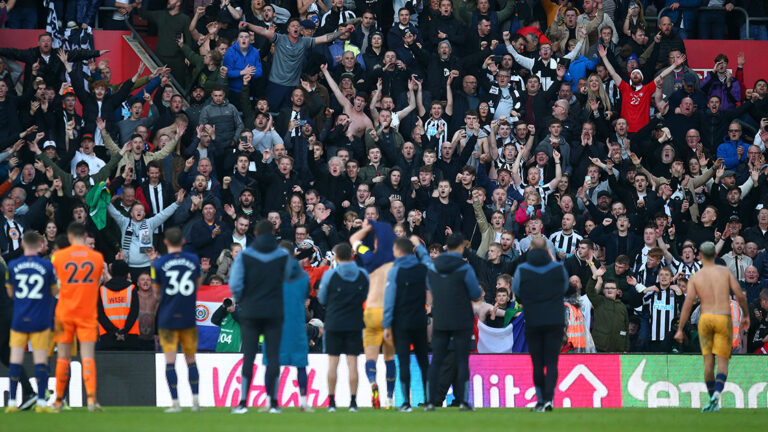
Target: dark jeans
(251, 329)
(711, 24)
(462, 341)
(403, 339)
(22, 18)
(544, 346)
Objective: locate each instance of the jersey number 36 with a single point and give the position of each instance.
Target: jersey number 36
(179, 283)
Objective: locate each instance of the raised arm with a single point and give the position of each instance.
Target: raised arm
(558, 170)
(335, 88)
(603, 55)
(261, 31)
(449, 92)
(411, 102)
(678, 62)
(330, 37)
(522, 60)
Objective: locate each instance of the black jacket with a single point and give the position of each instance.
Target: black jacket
(51, 70)
(257, 276)
(540, 285)
(454, 285)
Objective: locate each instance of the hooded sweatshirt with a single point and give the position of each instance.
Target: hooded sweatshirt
(342, 291)
(540, 285)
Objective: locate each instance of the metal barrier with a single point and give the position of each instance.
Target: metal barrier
(681, 9)
(137, 37)
(103, 9)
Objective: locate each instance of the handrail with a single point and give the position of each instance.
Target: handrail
(681, 9)
(103, 9)
(135, 36)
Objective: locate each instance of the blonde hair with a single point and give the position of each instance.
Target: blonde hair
(602, 95)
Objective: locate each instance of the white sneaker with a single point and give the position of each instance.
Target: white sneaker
(390, 402)
(275, 410)
(240, 409)
(173, 409)
(195, 408)
(306, 408)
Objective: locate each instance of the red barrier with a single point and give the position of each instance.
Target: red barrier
(701, 54)
(122, 59)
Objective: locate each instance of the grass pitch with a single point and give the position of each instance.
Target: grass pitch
(130, 419)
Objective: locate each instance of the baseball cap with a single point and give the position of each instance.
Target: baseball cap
(308, 24)
(734, 218)
(729, 173)
(603, 193)
(87, 136)
(348, 75)
(49, 143)
(82, 162)
(689, 79)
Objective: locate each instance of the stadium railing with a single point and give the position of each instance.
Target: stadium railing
(681, 9)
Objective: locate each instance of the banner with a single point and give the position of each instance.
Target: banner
(209, 298)
(220, 382)
(678, 381)
(507, 381)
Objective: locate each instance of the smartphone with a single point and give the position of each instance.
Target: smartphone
(587, 179)
(178, 36)
(302, 123)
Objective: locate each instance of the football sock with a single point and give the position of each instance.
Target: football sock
(370, 370)
(41, 376)
(301, 375)
(194, 377)
(89, 377)
(720, 382)
(62, 377)
(391, 371)
(14, 374)
(170, 375)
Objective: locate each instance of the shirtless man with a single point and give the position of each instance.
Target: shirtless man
(711, 285)
(377, 260)
(359, 121)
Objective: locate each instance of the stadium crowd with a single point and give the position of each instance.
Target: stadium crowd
(508, 122)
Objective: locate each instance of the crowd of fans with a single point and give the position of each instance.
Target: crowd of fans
(505, 121)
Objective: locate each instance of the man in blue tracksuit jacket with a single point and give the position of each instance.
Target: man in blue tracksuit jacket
(454, 286)
(405, 319)
(342, 291)
(540, 285)
(256, 281)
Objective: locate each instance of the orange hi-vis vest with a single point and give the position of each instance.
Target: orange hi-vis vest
(117, 306)
(576, 333)
(735, 322)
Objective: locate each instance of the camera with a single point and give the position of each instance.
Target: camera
(497, 59)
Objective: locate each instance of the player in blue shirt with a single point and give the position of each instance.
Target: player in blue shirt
(31, 283)
(175, 278)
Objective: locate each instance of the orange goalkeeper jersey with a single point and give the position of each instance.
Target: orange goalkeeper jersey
(79, 270)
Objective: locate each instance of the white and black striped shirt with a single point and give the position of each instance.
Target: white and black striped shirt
(686, 269)
(663, 306)
(13, 233)
(344, 15)
(567, 243)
